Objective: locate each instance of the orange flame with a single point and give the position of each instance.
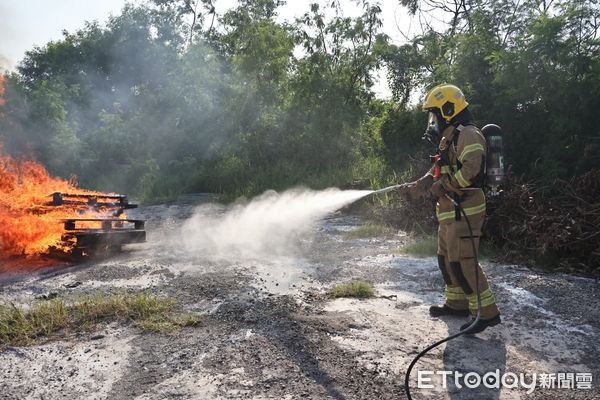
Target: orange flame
(30, 224)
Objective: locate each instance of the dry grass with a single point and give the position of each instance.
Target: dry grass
(47, 319)
(357, 289)
(369, 230)
(427, 247)
(422, 247)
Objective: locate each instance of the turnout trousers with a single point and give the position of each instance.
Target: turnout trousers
(457, 264)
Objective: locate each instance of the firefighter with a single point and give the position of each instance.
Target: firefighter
(459, 176)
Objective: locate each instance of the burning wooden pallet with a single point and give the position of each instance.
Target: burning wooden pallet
(107, 231)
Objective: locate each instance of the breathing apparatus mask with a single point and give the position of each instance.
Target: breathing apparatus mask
(435, 126)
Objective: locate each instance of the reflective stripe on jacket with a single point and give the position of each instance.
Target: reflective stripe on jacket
(467, 162)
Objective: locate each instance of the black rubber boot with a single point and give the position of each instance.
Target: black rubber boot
(438, 311)
(481, 325)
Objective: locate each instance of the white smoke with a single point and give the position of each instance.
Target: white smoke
(271, 224)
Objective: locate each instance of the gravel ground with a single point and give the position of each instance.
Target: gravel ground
(269, 331)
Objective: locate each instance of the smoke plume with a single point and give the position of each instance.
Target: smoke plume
(272, 224)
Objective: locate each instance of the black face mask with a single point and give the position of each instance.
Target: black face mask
(435, 126)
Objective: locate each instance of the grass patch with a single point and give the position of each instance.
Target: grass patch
(160, 324)
(423, 247)
(369, 230)
(358, 289)
(149, 312)
(427, 247)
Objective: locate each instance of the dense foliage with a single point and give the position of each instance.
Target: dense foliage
(169, 97)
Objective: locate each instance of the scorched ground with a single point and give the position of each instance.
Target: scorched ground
(269, 332)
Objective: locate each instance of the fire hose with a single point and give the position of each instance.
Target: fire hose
(387, 189)
(477, 290)
(475, 321)
(494, 176)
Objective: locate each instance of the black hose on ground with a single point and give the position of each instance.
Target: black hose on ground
(475, 321)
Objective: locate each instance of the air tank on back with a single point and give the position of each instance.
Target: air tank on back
(494, 158)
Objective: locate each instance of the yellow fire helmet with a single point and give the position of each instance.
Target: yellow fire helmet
(449, 99)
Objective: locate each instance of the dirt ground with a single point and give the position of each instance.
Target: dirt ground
(269, 331)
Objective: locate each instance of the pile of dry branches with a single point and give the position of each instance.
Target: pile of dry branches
(559, 222)
(556, 226)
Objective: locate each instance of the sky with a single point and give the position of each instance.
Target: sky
(28, 23)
